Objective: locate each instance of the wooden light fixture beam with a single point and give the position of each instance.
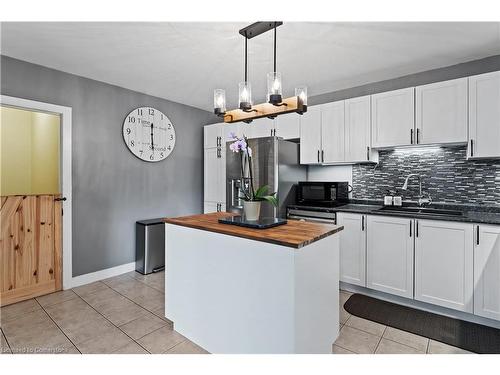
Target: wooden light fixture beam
(290, 105)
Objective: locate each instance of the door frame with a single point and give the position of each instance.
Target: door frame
(65, 114)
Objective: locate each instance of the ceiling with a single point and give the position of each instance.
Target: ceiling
(184, 62)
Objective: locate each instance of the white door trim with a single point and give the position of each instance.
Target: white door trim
(65, 172)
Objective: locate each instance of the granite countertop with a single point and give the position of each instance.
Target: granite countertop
(295, 234)
(478, 215)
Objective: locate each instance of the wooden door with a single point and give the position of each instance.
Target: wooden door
(352, 248)
(310, 136)
(441, 112)
(393, 118)
(332, 132)
(444, 264)
(30, 247)
(389, 255)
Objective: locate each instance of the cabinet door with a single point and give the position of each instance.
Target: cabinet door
(211, 175)
(389, 254)
(262, 127)
(444, 264)
(227, 129)
(214, 175)
(288, 126)
(441, 112)
(332, 132)
(484, 116)
(393, 119)
(211, 135)
(357, 129)
(209, 207)
(310, 136)
(487, 271)
(352, 248)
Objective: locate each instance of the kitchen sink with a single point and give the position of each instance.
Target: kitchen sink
(422, 211)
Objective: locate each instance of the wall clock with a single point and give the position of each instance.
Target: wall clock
(149, 134)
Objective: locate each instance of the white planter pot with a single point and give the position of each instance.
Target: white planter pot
(251, 210)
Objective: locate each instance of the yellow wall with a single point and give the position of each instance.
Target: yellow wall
(29, 152)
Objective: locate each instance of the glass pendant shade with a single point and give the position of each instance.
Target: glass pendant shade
(274, 88)
(219, 101)
(301, 92)
(245, 96)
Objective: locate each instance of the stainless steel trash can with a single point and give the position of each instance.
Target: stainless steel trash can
(149, 246)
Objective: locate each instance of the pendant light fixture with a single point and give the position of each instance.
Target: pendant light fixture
(274, 81)
(275, 105)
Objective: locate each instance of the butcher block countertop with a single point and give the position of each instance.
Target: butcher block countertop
(295, 234)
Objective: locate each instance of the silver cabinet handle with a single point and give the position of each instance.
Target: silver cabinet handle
(416, 228)
(363, 223)
(368, 153)
(471, 148)
(322, 155)
(318, 156)
(411, 136)
(411, 222)
(418, 136)
(477, 235)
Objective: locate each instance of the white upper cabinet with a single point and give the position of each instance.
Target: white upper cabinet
(357, 130)
(212, 135)
(259, 128)
(288, 126)
(332, 132)
(352, 248)
(444, 264)
(393, 118)
(487, 271)
(484, 116)
(441, 112)
(389, 255)
(310, 136)
(214, 175)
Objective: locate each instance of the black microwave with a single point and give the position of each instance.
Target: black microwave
(322, 193)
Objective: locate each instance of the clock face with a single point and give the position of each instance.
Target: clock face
(149, 134)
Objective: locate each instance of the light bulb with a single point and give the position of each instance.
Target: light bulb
(219, 102)
(274, 88)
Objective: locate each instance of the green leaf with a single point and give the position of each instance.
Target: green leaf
(262, 191)
(271, 199)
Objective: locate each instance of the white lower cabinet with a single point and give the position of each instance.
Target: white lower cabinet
(352, 248)
(389, 255)
(487, 271)
(444, 264)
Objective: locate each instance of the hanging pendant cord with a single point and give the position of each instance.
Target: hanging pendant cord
(275, 48)
(246, 40)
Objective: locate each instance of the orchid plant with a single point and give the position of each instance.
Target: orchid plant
(240, 145)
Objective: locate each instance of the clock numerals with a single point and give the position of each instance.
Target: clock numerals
(132, 143)
(128, 130)
(152, 157)
(162, 155)
(139, 112)
(131, 119)
(151, 111)
(169, 126)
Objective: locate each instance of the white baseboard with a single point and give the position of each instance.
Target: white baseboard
(100, 275)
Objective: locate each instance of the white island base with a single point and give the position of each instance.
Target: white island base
(234, 295)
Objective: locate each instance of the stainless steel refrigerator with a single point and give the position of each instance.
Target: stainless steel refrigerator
(276, 163)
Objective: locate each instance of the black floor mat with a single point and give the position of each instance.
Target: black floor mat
(473, 337)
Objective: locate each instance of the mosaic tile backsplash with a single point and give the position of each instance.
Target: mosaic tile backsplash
(446, 175)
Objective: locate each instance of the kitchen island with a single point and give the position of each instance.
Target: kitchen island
(239, 290)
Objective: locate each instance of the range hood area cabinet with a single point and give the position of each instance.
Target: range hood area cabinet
(424, 115)
(337, 133)
(484, 116)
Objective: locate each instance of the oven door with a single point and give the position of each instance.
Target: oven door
(312, 216)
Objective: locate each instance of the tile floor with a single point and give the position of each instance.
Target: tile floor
(124, 314)
(363, 336)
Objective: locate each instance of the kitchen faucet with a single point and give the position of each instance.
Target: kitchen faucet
(421, 199)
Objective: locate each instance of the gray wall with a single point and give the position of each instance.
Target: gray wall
(488, 64)
(111, 187)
